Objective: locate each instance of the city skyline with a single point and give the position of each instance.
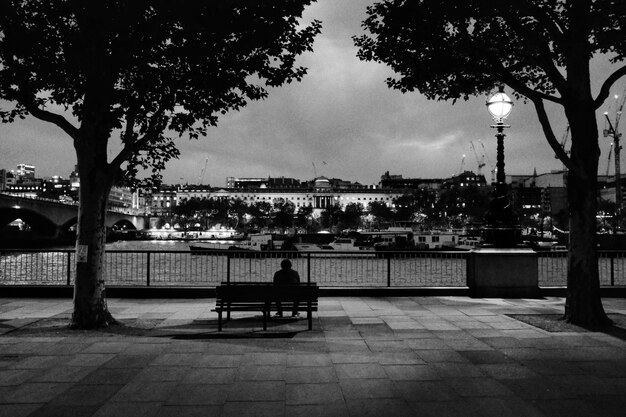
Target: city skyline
(341, 117)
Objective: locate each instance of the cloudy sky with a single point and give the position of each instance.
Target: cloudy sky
(341, 117)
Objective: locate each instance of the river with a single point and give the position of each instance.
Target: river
(170, 263)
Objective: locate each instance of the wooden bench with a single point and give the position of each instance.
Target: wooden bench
(262, 296)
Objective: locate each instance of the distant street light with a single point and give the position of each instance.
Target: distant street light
(502, 229)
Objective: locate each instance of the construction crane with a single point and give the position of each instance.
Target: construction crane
(462, 169)
(493, 168)
(564, 140)
(611, 129)
(201, 177)
(479, 161)
(608, 161)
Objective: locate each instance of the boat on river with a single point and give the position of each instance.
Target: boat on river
(467, 242)
(338, 247)
(253, 243)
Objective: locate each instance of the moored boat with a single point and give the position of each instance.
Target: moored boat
(344, 247)
(253, 243)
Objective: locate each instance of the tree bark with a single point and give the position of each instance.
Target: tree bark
(583, 304)
(90, 305)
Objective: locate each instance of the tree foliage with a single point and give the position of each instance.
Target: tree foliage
(460, 48)
(351, 216)
(542, 49)
(331, 216)
(152, 70)
(283, 213)
(304, 217)
(261, 212)
(449, 50)
(379, 211)
(146, 71)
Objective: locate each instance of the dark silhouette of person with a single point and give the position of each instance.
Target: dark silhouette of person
(286, 276)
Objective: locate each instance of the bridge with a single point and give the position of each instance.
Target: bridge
(52, 218)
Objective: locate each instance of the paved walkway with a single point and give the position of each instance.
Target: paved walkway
(436, 356)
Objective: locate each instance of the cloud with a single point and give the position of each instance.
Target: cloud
(342, 113)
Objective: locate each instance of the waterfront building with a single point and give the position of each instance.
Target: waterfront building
(140, 202)
(26, 171)
(192, 191)
(57, 188)
(554, 203)
(464, 180)
(269, 182)
(320, 194)
(7, 179)
(75, 179)
(120, 198)
(163, 201)
(528, 199)
(398, 182)
(26, 187)
(557, 178)
(542, 194)
(607, 187)
(234, 182)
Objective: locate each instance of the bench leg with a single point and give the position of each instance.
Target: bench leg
(219, 321)
(309, 316)
(265, 319)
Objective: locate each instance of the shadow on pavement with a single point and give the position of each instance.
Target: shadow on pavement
(554, 323)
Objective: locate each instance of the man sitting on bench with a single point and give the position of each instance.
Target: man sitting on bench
(286, 276)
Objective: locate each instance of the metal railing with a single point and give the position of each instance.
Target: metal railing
(339, 269)
(187, 268)
(553, 268)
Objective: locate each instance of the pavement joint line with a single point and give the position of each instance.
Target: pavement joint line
(359, 364)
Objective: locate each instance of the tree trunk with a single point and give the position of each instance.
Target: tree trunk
(583, 304)
(90, 306)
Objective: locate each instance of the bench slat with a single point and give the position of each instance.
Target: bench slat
(255, 296)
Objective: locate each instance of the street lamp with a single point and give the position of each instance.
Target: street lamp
(502, 228)
(500, 106)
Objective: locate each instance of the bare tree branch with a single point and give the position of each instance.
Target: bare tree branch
(544, 17)
(544, 57)
(131, 147)
(129, 132)
(606, 86)
(523, 89)
(54, 118)
(552, 140)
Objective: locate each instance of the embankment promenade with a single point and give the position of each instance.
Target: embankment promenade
(392, 356)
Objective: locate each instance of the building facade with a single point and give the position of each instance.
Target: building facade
(320, 194)
(163, 201)
(26, 171)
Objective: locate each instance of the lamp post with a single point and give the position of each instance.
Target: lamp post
(500, 106)
(502, 229)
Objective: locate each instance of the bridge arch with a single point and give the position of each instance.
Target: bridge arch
(124, 224)
(38, 222)
(68, 224)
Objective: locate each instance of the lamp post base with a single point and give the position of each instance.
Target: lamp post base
(503, 273)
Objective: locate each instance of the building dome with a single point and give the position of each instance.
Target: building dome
(322, 182)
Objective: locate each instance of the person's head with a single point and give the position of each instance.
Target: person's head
(285, 264)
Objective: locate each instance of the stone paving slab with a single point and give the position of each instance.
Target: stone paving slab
(394, 356)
